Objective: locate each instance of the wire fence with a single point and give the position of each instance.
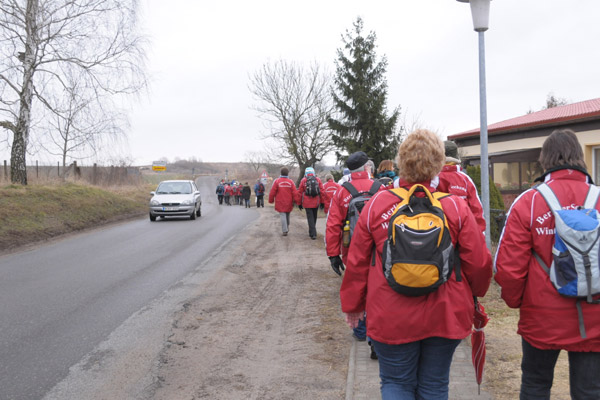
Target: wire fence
(93, 174)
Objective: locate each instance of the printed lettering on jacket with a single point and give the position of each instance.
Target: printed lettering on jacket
(544, 217)
(456, 187)
(386, 215)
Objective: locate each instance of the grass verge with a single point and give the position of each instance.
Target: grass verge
(37, 212)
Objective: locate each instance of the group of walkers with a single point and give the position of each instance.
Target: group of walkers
(547, 265)
(234, 193)
(412, 252)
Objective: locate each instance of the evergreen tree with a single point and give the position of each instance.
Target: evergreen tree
(360, 95)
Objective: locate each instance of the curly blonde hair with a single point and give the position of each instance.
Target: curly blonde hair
(421, 156)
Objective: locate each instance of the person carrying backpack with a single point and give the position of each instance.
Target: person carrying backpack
(532, 278)
(309, 195)
(360, 182)
(415, 335)
(360, 179)
(386, 174)
(259, 191)
(220, 192)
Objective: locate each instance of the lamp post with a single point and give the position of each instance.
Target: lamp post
(480, 11)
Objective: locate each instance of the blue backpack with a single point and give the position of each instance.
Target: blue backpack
(575, 268)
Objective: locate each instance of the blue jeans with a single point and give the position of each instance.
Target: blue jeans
(538, 373)
(416, 370)
(361, 330)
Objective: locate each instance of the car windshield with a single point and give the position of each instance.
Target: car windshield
(174, 188)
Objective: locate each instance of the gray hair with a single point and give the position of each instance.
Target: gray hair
(369, 163)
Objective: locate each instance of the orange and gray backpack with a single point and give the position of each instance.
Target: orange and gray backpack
(418, 255)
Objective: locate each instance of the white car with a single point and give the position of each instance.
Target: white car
(175, 199)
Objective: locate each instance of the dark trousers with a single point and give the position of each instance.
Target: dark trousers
(311, 217)
(220, 197)
(227, 200)
(538, 373)
(260, 200)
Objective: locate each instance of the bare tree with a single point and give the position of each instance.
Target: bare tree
(256, 159)
(295, 104)
(42, 41)
(81, 122)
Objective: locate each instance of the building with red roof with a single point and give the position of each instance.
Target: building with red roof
(514, 145)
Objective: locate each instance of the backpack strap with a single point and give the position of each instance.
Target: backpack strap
(349, 187)
(541, 262)
(592, 197)
(374, 187)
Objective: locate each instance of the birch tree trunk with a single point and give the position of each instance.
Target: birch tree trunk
(18, 162)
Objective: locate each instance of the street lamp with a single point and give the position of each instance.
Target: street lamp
(480, 11)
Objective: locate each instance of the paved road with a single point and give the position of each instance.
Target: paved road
(58, 301)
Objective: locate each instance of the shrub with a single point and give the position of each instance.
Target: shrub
(496, 202)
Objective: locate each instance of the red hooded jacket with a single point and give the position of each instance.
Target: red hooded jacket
(308, 201)
(453, 180)
(282, 194)
(547, 319)
(394, 318)
(330, 188)
(338, 209)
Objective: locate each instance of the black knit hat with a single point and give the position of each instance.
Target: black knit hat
(356, 160)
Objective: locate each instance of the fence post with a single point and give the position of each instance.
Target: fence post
(5, 170)
(37, 170)
(94, 174)
(58, 169)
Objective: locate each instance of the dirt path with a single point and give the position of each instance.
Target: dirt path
(268, 327)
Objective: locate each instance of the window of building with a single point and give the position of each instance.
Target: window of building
(515, 176)
(530, 171)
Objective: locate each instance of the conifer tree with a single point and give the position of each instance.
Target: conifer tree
(360, 95)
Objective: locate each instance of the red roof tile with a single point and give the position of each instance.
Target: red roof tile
(569, 112)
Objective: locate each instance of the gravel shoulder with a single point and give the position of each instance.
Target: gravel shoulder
(259, 320)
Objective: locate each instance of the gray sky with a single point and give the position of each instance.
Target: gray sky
(202, 53)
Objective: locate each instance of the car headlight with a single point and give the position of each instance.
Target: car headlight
(187, 202)
(154, 202)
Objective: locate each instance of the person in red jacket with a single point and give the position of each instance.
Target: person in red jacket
(414, 337)
(361, 169)
(453, 180)
(238, 194)
(549, 322)
(331, 187)
(310, 203)
(282, 194)
(228, 194)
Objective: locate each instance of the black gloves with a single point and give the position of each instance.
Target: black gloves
(322, 206)
(337, 265)
(300, 207)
